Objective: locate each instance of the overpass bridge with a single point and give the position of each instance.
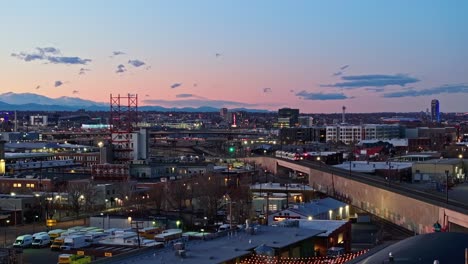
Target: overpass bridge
(412, 209)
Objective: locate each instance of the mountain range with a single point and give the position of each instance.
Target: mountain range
(34, 102)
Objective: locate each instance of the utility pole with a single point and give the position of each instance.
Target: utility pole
(446, 186)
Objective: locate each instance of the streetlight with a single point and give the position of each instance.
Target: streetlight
(5, 241)
(102, 214)
(230, 209)
(34, 223)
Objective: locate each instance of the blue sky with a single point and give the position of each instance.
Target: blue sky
(263, 54)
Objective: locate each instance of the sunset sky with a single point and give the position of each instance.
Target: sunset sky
(370, 56)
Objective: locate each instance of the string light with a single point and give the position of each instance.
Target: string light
(257, 259)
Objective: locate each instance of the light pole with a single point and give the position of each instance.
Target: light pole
(446, 186)
(5, 240)
(102, 214)
(34, 223)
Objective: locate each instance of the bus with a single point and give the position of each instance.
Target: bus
(168, 235)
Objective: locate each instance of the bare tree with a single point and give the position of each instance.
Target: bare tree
(209, 191)
(156, 196)
(81, 197)
(127, 192)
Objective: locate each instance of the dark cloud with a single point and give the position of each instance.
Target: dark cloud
(344, 67)
(58, 83)
(83, 71)
(49, 54)
(267, 90)
(375, 80)
(136, 63)
(184, 95)
(321, 96)
(117, 53)
(75, 92)
(121, 68)
(198, 103)
(448, 88)
(217, 55)
(175, 85)
(67, 60)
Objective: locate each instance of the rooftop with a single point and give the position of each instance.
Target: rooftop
(441, 161)
(317, 207)
(226, 248)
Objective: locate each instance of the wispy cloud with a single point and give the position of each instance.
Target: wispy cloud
(344, 67)
(75, 92)
(49, 54)
(217, 55)
(117, 53)
(121, 68)
(267, 90)
(184, 95)
(375, 89)
(38, 87)
(58, 83)
(83, 71)
(291, 91)
(175, 85)
(136, 63)
(338, 73)
(322, 96)
(373, 80)
(448, 88)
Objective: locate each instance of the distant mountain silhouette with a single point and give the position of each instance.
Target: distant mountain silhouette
(35, 102)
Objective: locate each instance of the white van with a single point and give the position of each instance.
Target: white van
(224, 227)
(41, 241)
(23, 241)
(35, 235)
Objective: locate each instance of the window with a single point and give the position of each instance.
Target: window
(30, 185)
(17, 185)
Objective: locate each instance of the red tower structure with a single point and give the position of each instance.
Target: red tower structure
(123, 120)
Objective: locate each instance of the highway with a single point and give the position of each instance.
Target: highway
(439, 200)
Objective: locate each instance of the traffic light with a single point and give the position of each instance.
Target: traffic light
(231, 149)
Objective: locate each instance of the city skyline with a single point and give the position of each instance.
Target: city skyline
(315, 56)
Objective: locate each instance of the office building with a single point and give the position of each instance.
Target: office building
(435, 114)
(288, 117)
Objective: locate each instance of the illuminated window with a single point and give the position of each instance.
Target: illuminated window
(30, 185)
(17, 185)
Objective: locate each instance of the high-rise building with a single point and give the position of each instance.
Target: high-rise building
(288, 117)
(435, 114)
(223, 112)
